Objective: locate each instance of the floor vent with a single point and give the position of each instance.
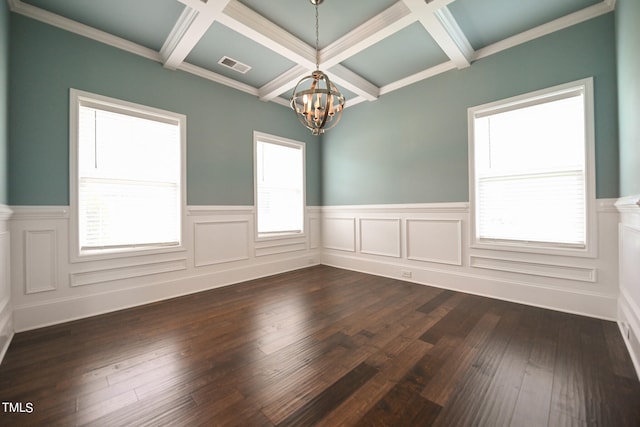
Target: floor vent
(234, 65)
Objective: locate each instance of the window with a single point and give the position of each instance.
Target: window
(127, 176)
(532, 169)
(279, 186)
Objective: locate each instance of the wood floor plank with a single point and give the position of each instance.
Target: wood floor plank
(318, 407)
(534, 399)
(327, 347)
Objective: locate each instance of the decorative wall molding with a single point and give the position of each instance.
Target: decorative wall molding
(315, 232)
(48, 287)
(437, 252)
(606, 205)
(381, 236)
(39, 212)
(201, 210)
(629, 204)
(425, 243)
(629, 254)
(536, 269)
(582, 302)
(121, 272)
(280, 246)
(39, 313)
(629, 324)
(339, 233)
(452, 207)
(217, 242)
(435, 240)
(40, 260)
(6, 309)
(5, 213)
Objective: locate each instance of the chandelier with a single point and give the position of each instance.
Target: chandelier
(316, 101)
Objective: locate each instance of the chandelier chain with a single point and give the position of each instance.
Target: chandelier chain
(317, 40)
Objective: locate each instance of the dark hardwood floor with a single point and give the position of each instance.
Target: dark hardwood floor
(323, 346)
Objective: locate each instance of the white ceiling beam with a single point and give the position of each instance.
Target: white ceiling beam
(385, 24)
(256, 27)
(218, 78)
(351, 81)
(282, 83)
(414, 78)
(441, 25)
(189, 29)
(259, 29)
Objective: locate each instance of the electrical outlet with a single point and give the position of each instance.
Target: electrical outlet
(406, 274)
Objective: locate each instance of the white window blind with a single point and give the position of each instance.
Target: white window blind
(129, 171)
(530, 170)
(279, 187)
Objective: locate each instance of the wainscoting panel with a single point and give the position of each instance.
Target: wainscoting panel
(315, 232)
(535, 269)
(219, 250)
(435, 240)
(217, 242)
(6, 312)
(435, 251)
(629, 255)
(41, 264)
(339, 234)
(380, 236)
(280, 246)
(102, 275)
(5, 278)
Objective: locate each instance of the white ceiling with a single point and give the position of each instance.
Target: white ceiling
(368, 47)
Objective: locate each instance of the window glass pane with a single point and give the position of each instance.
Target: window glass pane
(129, 171)
(530, 171)
(547, 136)
(280, 193)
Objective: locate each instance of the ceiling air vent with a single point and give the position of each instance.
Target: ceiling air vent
(234, 65)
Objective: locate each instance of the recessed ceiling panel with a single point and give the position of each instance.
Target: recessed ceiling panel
(220, 41)
(406, 52)
(145, 22)
(485, 22)
(336, 17)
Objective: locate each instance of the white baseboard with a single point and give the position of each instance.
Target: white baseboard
(629, 324)
(55, 311)
(582, 303)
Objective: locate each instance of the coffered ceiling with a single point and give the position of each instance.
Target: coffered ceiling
(368, 47)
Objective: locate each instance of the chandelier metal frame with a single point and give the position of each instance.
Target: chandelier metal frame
(316, 100)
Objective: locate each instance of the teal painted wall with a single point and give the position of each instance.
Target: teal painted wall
(628, 50)
(46, 62)
(4, 100)
(410, 146)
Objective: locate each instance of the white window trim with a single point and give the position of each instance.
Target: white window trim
(590, 249)
(86, 98)
(273, 139)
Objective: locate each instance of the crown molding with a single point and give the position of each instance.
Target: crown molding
(566, 21)
(72, 26)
